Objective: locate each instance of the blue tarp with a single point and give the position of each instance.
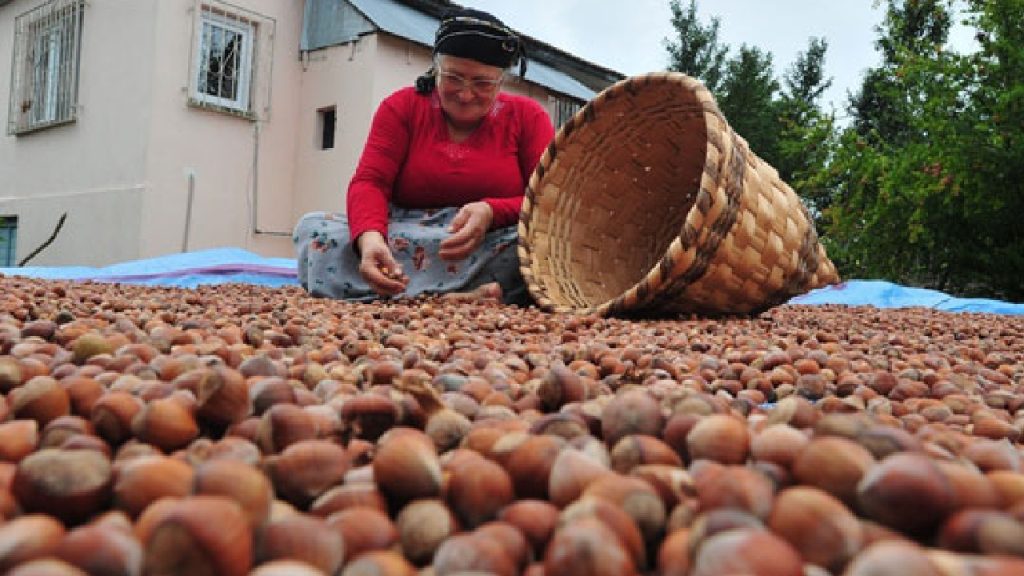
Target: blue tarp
(222, 265)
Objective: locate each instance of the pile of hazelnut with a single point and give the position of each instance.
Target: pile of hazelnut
(237, 429)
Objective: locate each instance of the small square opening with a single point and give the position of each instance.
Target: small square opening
(327, 120)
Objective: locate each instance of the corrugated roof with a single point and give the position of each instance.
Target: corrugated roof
(403, 21)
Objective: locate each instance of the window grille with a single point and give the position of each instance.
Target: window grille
(8, 236)
(230, 63)
(564, 110)
(44, 66)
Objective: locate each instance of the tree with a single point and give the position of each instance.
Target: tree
(748, 96)
(804, 128)
(926, 185)
(696, 52)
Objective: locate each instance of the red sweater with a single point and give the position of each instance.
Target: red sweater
(410, 160)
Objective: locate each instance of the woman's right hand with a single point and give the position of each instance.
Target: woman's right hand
(377, 265)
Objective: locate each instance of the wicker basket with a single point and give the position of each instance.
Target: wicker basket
(648, 204)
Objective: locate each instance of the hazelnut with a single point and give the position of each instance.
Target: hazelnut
(143, 480)
(283, 425)
(83, 392)
(422, 526)
(42, 399)
(27, 538)
(18, 439)
(615, 518)
(530, 464)
(471, 552)
(166, 423)
(835, 465)
(745, 551)
(102, 547)
(778, 443)
(571, 473)
(304, 538)
(631, 412)
(892, 557)
(512, 541)
(222, 397)
(46, 567)
(477, 489)
(287, 568)
(406, 466)
(1009, 486)
(818, 525)
(737, 487)
(636, 497)
(906, 491)
(112, 416)
(348, 495)
(379, 563)
(982, 532)
(196, 535)
(587, 546)
(239, 481)
(306, 469)
(672, 483)
(560, 386)
(636, 450)
(369, 415)
(719, 437)
(536, 519)
(68, 484)
(363, 529)
(674, 554)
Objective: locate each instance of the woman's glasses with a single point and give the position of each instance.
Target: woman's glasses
(479, 86)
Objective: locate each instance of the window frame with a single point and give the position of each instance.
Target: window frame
(8, 241)
(245, 29)
(43, 95)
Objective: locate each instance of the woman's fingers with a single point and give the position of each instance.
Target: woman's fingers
(469, 227)
(461, 244)
(381, 272)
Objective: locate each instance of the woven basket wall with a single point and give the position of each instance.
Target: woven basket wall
(647, 203)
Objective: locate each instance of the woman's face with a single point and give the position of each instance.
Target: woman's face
(467, 89)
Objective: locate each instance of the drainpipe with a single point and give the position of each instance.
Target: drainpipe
(190, 175)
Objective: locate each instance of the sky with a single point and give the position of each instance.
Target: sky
(628, 36)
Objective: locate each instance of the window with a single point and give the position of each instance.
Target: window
(44, 66)
(327, 120)
(8, 235)
(564, 110)
(231, 50)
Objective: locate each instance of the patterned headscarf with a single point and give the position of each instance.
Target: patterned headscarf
(477, 35)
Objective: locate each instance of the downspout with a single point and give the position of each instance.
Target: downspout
(256, 186)
(190, 175)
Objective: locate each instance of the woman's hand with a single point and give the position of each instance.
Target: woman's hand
(468, 229)
(377, 265)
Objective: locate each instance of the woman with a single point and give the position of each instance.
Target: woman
(434, 202)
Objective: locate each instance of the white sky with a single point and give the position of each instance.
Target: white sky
(628, 35)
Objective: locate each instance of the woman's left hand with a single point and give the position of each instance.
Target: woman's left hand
(468, 229)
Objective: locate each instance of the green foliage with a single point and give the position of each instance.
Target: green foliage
(696, 51)
(925, 185)
(748, 100)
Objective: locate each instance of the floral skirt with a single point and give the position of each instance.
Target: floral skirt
(328, 265)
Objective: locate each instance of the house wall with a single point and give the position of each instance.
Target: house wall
(122, 171)
(93, 169)
(229, 163)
